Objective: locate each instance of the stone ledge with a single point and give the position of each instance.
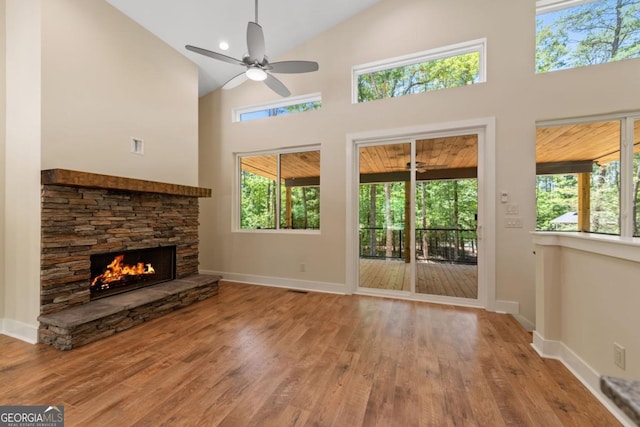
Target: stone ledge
(625, 394)
(89, 322)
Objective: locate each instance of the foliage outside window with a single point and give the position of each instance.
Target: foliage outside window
(289, 105)
(557, 201)
(636, 185)
(445, 211)
(444, 68)
(604, 196)
(294, 203)
(593, 33)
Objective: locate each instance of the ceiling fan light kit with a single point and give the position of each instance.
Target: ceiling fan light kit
(256, 74)
(256, 62)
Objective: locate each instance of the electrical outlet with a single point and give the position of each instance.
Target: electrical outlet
(302, 267)
(619, 355)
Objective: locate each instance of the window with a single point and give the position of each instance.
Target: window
(294, 203)
(452, 66)
(576, 33)
(296, 104)
(588, 175)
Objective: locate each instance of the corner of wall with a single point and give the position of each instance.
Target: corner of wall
(209, 130)
(550, 349)
(3, 114)
(21, 169)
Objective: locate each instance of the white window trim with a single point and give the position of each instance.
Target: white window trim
(472, 46)
(236, 113)
(547, 6)
(236, 226)
(627, 120)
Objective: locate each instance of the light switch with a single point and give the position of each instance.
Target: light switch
(513, 209)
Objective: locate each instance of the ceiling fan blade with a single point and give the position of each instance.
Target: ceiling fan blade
(292, 67)
(235, 81)
(214, 55)
(255, 43)
(277, 86)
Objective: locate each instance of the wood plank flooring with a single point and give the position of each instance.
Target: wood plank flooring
(259, 356)
(454, 280)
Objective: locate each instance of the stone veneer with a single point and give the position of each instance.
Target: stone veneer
(85, 214)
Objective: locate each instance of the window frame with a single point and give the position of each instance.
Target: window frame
(627, 120)
(236, 113)
(548, 6)
(473, 46)
(236, 221)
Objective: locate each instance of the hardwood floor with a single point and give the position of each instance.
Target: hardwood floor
(258, 356)
(454, 280)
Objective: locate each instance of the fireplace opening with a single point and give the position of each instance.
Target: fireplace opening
(117, 272)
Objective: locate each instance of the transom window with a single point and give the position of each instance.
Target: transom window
(577, 33)
(290, 105)
(451, 66)
(280, 190)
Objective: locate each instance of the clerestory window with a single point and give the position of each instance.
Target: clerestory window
(448, 67)
(291, 105)
(577, 33)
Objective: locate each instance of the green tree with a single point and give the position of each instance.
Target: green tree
(258, 201)
(423, 77)
(556, 195)
(551, 47)
(593, 33)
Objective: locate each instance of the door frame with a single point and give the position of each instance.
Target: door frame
(485, 128)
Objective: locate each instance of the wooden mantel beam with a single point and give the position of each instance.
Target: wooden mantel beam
(108, 182)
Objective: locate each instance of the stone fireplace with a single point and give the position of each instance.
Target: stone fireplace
(95, 227)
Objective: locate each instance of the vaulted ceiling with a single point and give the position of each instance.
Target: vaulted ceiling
(205, 23)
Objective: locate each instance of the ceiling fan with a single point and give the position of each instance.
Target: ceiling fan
(422, 167)
(256, 62)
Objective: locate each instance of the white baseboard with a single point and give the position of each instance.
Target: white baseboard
(526, 323)
(513, 308)
(19, 330)
(580, 369)
(279, 282)
(510, 307)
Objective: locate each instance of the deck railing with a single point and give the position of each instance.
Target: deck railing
(454, 245)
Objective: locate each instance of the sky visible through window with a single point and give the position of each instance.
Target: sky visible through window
(593, 33)
(280, 111)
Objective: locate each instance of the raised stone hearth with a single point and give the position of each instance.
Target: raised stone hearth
(98, 319)
(85, 214)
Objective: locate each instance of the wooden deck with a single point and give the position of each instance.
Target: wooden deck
(452, 280)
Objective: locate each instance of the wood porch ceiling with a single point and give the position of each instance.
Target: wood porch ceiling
(598, 142)
(456, 156)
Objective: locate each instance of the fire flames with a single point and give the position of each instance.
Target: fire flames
(117, 271)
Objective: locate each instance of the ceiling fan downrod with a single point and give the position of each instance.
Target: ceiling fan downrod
(256, 12)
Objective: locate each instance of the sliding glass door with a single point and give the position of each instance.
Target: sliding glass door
(418, 216)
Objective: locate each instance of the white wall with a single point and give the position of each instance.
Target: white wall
(22, 168)
(3, 129)
(586, 300)
(105, 79)
(587, 292)
(513, 94)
